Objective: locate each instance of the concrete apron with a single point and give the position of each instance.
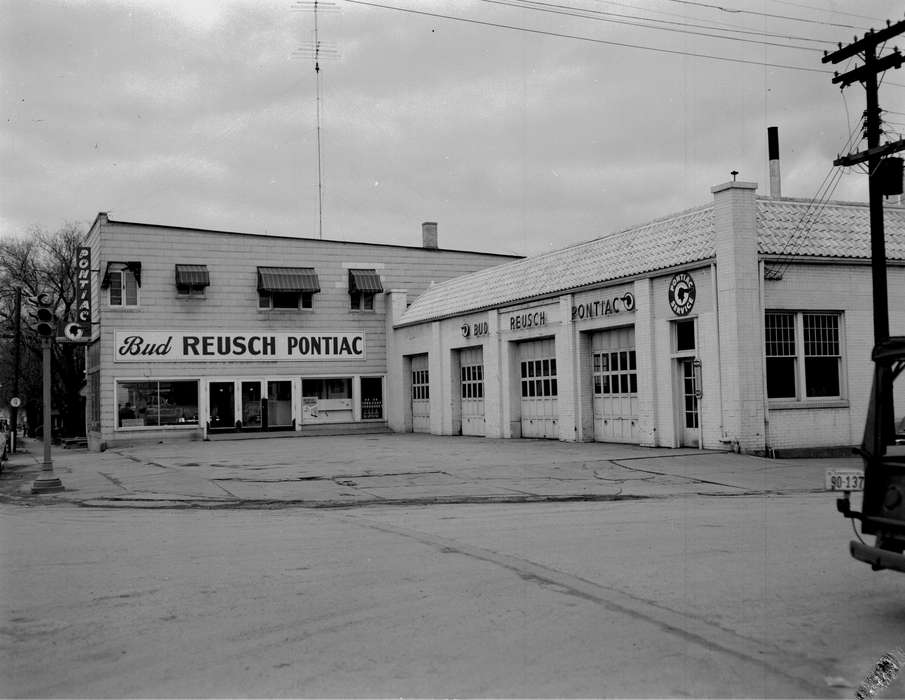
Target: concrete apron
(358, 470)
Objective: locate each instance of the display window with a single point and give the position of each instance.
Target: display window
(156, 403)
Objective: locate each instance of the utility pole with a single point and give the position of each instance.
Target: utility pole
(878, 177)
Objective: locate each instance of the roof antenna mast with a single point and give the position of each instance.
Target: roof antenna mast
(317, 51)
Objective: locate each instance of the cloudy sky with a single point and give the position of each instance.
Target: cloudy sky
(518, 126)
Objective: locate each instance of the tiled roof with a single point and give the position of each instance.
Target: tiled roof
(676, 240)
(785, 227)
(838, 230)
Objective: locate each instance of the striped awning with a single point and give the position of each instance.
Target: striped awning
(288, 279)
(367, 281)
(195, 276)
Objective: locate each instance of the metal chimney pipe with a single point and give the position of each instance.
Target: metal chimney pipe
(429, 235)
(773, 151)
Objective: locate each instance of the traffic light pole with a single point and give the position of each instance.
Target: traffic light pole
(47, 482)
(17, 353)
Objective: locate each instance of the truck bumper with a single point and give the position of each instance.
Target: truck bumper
(876, 557)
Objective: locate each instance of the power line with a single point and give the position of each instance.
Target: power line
(538, 7)
(664, 13)
(718, 26)
(823, 9)
(674, 52)
(762, 14)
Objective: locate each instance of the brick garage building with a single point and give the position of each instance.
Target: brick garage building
(745, 323)
(198, 332)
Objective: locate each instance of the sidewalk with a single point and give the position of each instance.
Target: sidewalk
(362, 470)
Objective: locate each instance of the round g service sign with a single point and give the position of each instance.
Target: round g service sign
(681, 294)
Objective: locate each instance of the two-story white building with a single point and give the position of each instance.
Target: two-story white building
(197, 332)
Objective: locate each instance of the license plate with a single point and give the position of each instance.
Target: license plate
(844, 480)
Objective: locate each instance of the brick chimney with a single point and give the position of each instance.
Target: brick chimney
(429, 234)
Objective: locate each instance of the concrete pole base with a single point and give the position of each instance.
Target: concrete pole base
(47, 485)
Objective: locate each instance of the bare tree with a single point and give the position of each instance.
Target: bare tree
(41, 262)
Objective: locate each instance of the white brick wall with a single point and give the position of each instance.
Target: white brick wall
(845, 288)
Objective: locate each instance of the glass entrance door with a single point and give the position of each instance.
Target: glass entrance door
(691, 436)
(279, 406)
(371, 398)
(251, 406)
(222, 406)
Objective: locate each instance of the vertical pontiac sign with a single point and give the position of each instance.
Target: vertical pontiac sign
(83, 290)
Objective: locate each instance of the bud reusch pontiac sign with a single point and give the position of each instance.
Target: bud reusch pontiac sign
(186, 346)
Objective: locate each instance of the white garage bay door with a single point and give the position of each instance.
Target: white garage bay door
(537, 366)
(471, 374)
(615, 377)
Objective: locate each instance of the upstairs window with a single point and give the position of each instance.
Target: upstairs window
(287, 287)
(364, 285)
(191, 280)
(122, 280)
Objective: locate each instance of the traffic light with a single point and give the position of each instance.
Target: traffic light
(46, 325)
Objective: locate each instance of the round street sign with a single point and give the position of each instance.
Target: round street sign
(15, 402)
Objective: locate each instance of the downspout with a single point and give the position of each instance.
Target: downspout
(719, 361)
(761, 265)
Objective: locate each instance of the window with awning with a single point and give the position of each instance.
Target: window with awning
(192, 278)
(288, 279)
(122, 280)
(287, 287)
(133, 267)
(364, 285)
(367, 281)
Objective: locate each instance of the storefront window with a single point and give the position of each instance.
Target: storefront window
(811, 369)
(340, 388)
(156, 403)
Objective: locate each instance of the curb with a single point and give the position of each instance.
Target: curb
(176, 504)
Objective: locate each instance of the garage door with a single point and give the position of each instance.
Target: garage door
(421, 398)
(615, 378)
(471, 373)
(540, 413)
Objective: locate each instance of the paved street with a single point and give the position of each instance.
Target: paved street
(727, 592)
